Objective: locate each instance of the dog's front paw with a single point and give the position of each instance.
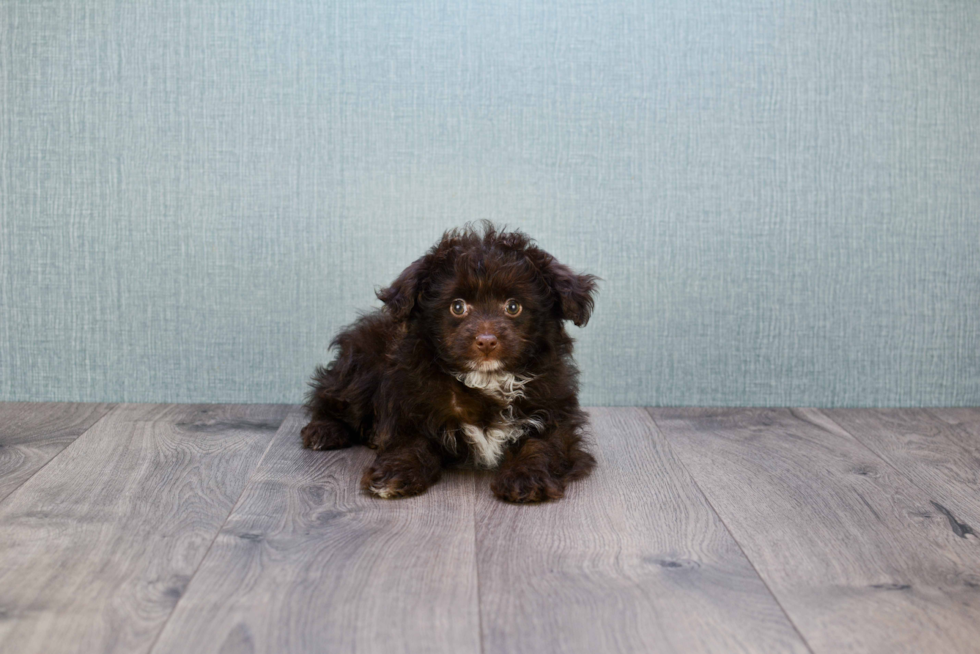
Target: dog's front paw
(522, 485)
(395, 478)
(325, 436)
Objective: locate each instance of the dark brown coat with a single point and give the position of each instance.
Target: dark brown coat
(468, 362)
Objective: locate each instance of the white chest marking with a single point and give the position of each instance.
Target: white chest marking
(488, 444)
(505, 386)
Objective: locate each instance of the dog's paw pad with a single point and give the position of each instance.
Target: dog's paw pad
(325, 436)
(390, 482)
(523, 486)
(386, 490)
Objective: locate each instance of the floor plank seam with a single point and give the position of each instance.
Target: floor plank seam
(724, 524)
(915, 484)
(217, 533)
(112, 409)
(476, 569)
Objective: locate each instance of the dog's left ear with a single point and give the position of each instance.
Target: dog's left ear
(575, 292)
(402, 296)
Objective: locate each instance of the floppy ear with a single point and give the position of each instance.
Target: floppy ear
(400, 298)
(576, 293)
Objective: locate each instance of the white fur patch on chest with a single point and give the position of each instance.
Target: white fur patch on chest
(505, 386)
(488, 443)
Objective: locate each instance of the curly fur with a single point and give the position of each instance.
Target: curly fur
(429, 388)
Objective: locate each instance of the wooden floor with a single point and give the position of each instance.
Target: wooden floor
(206, 528)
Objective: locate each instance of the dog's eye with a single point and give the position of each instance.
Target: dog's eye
(458, 307)
(512, 307)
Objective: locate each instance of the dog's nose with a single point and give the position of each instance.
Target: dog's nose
(487, 343)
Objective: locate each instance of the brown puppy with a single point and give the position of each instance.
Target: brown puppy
(468, 362)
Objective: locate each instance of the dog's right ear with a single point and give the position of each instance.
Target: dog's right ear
(402, 296)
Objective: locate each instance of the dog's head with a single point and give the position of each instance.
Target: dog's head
(489, 300)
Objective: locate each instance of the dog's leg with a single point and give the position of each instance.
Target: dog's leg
(580, 462)
(329, 407)
(532, 474)
(326, 434)
(540, 468)
(404, 469)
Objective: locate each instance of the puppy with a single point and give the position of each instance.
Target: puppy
(468, 362)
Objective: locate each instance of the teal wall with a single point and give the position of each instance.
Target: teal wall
(783, 198)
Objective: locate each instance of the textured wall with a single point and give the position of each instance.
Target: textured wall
(782, 197)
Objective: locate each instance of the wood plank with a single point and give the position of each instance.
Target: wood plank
(309, 563)
(32, 433)
(923, 448)
(633, 559)
(98, 546)
(855, 553)
(965, 423)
